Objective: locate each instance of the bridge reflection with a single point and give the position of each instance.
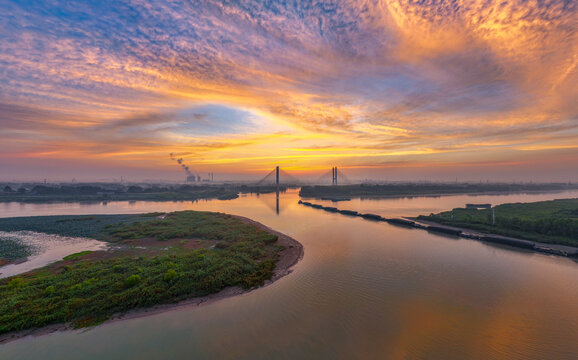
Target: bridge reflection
(281, 179)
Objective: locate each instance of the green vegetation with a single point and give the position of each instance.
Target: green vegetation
(170, 275)
(115, 192)
(94, 226)
(11, 248)
(206, 253)
(77, 255)
(132, 280)
(554, 222)
(188, 224)
(36, 193)
(419, 189)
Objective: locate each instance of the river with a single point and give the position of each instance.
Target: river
(364, 290)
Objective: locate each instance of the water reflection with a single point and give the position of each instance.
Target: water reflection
(364, 290)
(277, 206)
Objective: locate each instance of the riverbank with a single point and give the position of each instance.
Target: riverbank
(419, 223)
(288, 253)
(553, 249)
(377, 191)
(551, 222)
(104, 193)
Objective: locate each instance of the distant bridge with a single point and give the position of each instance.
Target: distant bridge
(337, 177)
(280, 177)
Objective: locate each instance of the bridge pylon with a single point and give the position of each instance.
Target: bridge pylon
(334, 175)
(277, 176)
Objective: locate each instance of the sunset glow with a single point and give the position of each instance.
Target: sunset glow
(389, 89)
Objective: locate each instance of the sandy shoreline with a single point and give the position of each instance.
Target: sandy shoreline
(288, 258)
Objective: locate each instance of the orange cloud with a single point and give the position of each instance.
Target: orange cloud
(393, 80)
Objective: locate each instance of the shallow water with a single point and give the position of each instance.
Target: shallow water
(46, 249)
(363, 290)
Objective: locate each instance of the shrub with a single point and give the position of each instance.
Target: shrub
(170, 275)
(89, 281)
(17, 282)
(49, 290)
(132, 280)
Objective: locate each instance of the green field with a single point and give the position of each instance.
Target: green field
(554, 222)
(187, 254)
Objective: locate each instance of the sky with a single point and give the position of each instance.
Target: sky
(383, 89)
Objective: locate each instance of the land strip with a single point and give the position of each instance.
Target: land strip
(39, 193)
(184, 258)
(560, 248)
(552, 222)
(345, 192)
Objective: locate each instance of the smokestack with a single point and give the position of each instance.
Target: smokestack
(190, 175)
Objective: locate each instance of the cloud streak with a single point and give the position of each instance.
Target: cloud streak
(388, 78)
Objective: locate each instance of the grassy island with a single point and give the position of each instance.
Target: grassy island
(553, 222)
(155, 259)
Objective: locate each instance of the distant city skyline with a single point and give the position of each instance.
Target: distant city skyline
(386, 90)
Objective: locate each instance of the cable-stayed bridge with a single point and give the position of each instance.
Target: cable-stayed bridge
(280, 177)
(334, 177)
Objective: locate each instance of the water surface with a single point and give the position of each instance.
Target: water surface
(363, 290)
(46, 249)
